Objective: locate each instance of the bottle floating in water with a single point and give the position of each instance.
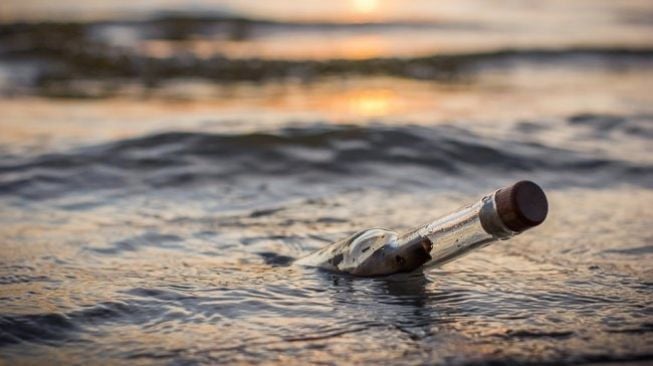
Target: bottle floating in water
(376, 252)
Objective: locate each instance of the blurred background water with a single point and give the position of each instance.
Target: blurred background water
(163, 162)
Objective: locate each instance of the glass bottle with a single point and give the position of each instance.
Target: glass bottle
(377, 251)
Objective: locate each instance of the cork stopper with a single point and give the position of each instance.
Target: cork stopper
(521, 206)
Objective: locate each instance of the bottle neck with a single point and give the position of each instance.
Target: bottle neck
(491, 220)
(461, 231)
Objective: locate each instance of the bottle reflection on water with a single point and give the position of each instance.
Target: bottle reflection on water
(377, 251)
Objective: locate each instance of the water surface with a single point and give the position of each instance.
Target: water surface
(151, 204)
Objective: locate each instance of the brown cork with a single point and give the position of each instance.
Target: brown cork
(522, 205)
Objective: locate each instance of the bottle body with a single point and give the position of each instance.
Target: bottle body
(378, 251)
(371, 252)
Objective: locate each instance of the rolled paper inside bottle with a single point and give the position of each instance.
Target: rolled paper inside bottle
(371, 252)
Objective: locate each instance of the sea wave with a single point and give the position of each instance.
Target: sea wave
(60, 75)
(377, 155)
(52, 58)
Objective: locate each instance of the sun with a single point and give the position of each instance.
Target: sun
(365, 6)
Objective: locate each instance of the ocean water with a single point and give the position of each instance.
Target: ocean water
(162, 166)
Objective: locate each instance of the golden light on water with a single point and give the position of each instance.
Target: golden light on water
(354, 47)
(365, 6)
(360, 47)
(371, 103)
